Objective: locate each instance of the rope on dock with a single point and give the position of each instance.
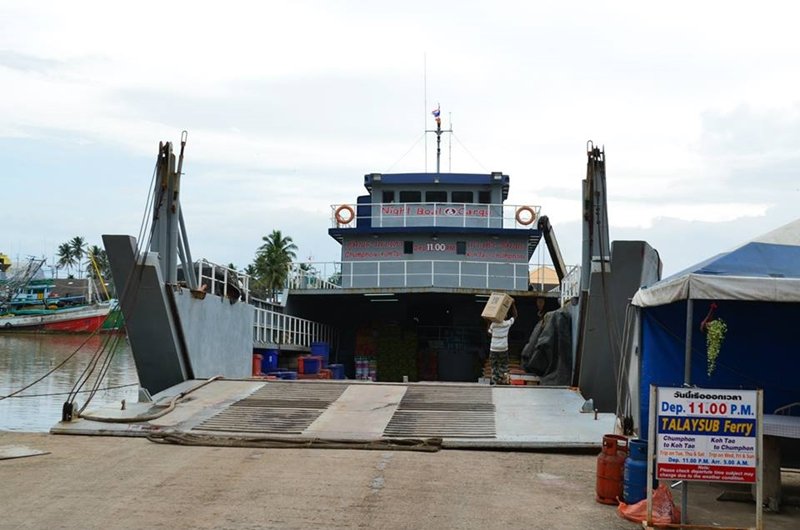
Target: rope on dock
(154, 415)
(428, 445)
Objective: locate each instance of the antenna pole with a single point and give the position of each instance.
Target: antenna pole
(425, 110)
(450, 144)
(438, 143)
(438, 131)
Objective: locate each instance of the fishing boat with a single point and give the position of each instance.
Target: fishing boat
(82, 319)
(50, 305)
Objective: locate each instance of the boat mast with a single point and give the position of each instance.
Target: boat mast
(90, 293)
(438, 131)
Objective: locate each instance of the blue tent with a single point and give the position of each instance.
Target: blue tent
(755, 289)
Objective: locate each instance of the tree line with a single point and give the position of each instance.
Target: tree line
(76, 254)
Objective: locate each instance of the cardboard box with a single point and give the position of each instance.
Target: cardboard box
(497, 307)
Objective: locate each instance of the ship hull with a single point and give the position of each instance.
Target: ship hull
(80, 320)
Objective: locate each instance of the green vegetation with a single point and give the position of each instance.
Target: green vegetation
(77, 254)
(270, 269)
(715, 334)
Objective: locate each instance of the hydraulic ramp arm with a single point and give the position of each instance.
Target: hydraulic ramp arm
(552, 246)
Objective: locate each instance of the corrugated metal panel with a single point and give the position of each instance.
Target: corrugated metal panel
(276, 408)
(446, 412)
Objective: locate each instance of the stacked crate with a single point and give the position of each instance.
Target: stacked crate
(396, 354)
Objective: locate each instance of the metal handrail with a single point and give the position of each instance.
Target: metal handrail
(269, 327)
(341, 274)
(208, 272)
(308, 276)
(272, 327)
(438, 214)
(571, 284)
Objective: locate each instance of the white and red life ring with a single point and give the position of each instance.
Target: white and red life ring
(521, 220)
(341, 219)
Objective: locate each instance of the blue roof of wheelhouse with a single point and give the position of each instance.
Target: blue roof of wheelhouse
(461, 179)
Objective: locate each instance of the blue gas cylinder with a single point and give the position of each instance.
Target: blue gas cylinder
(634, 482)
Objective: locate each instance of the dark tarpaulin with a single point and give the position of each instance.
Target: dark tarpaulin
(548, 353)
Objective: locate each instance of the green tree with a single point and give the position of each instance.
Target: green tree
(100, 258)
(66, 259)
(272, 262)
(78, 245)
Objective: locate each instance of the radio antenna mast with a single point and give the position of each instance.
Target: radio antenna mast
(425, 110)
(438, 131)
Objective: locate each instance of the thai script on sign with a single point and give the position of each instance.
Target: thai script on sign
(707, 435)
(444, 211)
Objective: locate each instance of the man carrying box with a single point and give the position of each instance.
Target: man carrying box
(498, 350)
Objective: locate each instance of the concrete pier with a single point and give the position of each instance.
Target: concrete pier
(93, 482)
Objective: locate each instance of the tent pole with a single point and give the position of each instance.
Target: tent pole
(687, 352)
(687, 380)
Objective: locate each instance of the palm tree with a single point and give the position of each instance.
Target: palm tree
(78, 245)
(100, 258)
(273, 259)
(66, 259)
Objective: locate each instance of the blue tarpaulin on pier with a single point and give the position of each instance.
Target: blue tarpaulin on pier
(756, 290)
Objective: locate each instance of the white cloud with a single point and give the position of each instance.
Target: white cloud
(289, 104)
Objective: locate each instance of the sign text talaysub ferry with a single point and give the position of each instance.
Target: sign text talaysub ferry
(705, 434)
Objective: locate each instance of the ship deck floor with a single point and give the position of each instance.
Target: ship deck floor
(462, 415)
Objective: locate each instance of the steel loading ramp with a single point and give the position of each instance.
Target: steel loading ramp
(462, 415)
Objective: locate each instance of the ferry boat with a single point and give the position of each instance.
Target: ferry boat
(420, 255)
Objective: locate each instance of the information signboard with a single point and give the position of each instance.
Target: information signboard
(705, 434)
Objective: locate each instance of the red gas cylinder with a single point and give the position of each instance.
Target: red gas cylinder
(257, 363)
(611, 468)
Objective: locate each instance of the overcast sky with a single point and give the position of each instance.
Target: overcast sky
(289, 104)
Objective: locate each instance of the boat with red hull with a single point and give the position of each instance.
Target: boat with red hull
(85, 319)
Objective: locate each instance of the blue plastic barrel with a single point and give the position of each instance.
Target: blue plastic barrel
(337, 371)
(634, 483)
(321, 349)
(269, 361)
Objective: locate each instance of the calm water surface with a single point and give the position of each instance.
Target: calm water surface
(25, 358)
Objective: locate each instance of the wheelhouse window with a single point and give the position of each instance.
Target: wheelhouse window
(462, 196)
(388, 196)
(485, 197)
(435, 196)
(410, 196)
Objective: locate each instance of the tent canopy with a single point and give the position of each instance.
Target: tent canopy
(764, 269)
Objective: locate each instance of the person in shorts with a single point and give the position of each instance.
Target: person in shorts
(498, 349)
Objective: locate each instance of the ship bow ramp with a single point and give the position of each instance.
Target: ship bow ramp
(177, 334)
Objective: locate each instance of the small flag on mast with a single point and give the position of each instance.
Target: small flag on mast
(436, 113)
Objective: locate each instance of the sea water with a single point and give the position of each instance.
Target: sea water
(25, 358)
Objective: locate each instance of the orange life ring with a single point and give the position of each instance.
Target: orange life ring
(344, 208)
(525, 209)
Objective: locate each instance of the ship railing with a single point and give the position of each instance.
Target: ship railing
(278, 329)
(437, 214)
(223, 281)
(316, 275)
(421, 273)
(571, 283)
(270, 327)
